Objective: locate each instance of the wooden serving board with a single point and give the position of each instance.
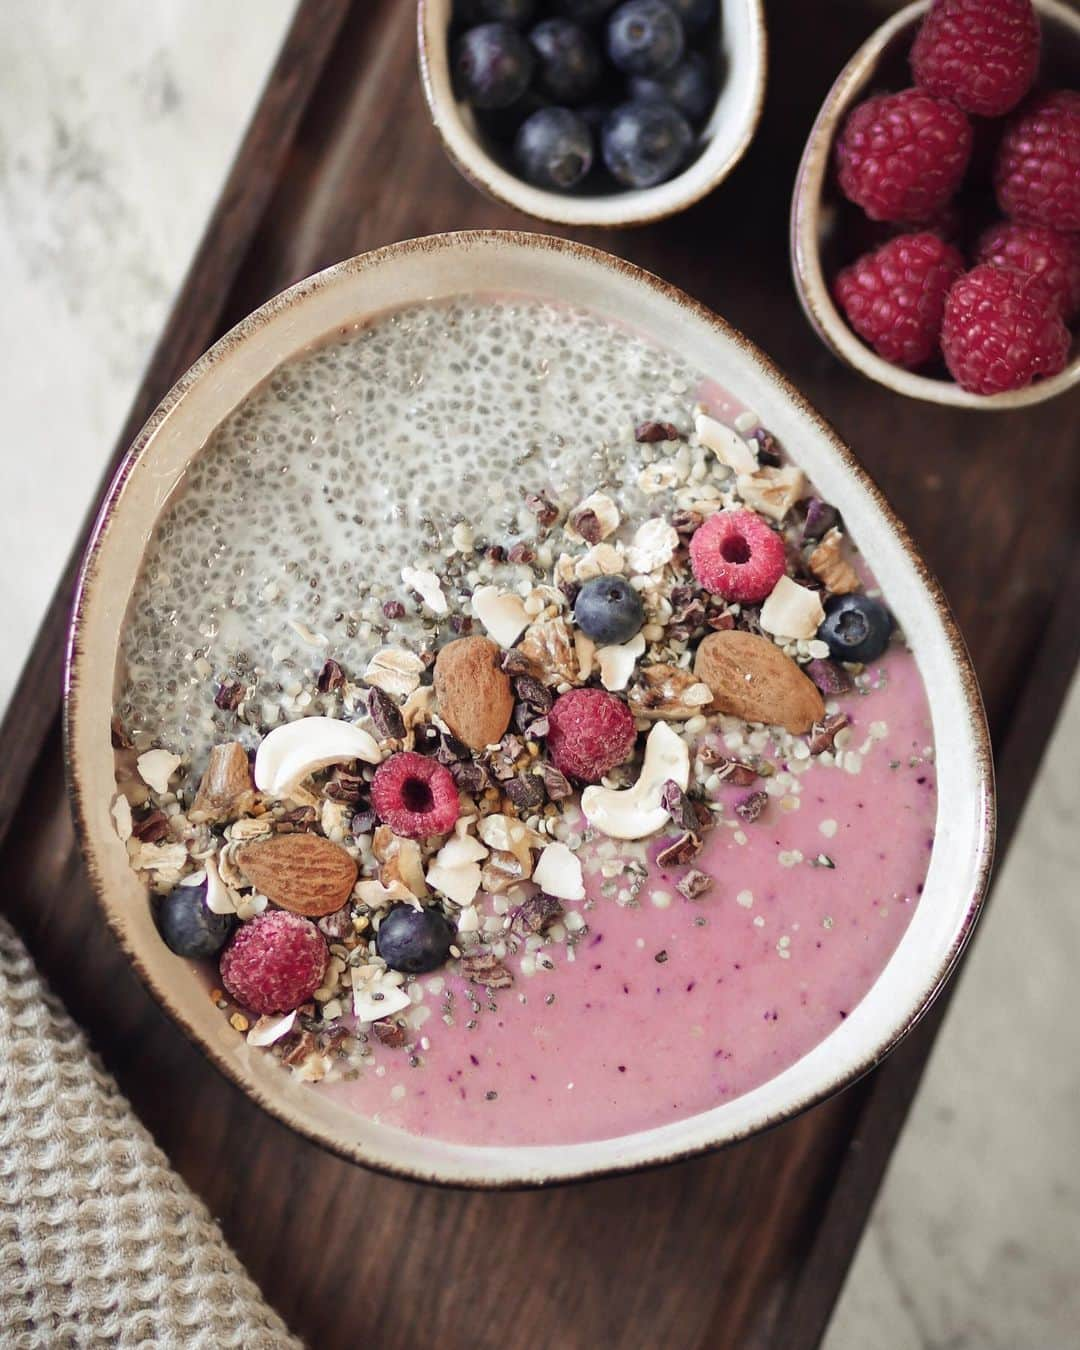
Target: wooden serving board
(741, 1249)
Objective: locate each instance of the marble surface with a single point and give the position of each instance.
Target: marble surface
(115, 134)
(974, 1241)
(117, 125)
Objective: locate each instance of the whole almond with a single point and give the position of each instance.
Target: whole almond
(473, 691)
(750, 677)
(304, 873)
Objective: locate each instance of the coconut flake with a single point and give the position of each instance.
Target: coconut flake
(791, 610)
(267, 1030)
(156, 767)
(728, 447)
(558, 873)
(617, 662)
(375, 895)
(602, 560)
(121, 814)
(501, 612)
(455, 869)
(427, 585)
(635, 812)
(295, 750)
(654, 545)
(376, 995)
(220, 899)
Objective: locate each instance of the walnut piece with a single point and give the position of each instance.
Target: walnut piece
(549, 645)
(832, 569)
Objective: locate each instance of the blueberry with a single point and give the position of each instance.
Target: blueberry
(584, 11)
(188, 926)
(414, 940)
(518, 12)
(608, 609)
(567, 61)
(503, 124)
(695, 14)
(856, 627)
(644, 37)
(689, 86)
(492, 65)
(554, 148)
(645, 143)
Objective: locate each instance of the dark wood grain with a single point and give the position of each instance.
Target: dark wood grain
(746, 1248)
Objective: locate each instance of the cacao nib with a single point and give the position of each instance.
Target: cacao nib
(571, 589)
(537, 729)
(820, 518)
(587, 524)
(151, 828)
(720, 623)
(363, 822)
(533, 692)
(344, 786)
(751, 806)
(526, 791)
(337, 925)
(685, 521)
(545, 510)
(495, 553)
(555, 782)
(829, 677)
(229, 696)
(483, 967)
(521, 553)
(686, 813)
(450, 749)
(393, 609)
(768, 448)
(515, 662)
(736, 773)
(461, 624)
(471, 777)
(119, 737)
(537, 914)
(680, 851)
(391, 1034)
(681, 596)
(292, 822)
(823, 734)
(648, 433)
(296, 1054)
(695, 883)
(331, 677)
(749, 620)
(426, 739)
(386, 714)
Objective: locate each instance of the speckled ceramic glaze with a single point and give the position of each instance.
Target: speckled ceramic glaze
(813, 212)
(726, 135)
(536, 266)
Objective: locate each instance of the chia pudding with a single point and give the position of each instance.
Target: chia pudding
(504, 730)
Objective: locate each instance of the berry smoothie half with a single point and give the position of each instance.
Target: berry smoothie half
(509, 736)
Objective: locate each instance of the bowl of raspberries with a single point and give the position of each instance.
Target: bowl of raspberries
(936, 218)
(594, 112)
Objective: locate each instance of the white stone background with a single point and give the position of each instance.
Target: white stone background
(117, 124)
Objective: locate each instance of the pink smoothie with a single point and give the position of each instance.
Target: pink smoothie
(672, 1006)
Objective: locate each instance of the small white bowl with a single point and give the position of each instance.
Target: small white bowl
(725, 136)
(816, 205)
(529, 266)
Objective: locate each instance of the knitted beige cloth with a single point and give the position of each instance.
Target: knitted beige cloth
(101, 1243)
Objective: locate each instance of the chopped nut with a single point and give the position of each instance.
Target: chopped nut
(832, 569)
(549, 645)
(695, 883)
(773, 492)
(501, 871)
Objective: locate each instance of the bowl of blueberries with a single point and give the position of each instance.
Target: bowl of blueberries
(594, 112)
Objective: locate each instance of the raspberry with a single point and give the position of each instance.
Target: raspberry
(1002, 330)
(894, 298)
(983, 54)
(1037, 173)
(1040, 252)
(275, 962)
(736, 555)
(589, 732)
(414, 795)
(902, 156)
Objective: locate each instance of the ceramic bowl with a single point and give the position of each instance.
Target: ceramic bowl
(818, 214)
(532, 266)
(725, 137)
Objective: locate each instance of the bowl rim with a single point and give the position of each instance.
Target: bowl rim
(811, 184)
(654, 204)
(525, 1179)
